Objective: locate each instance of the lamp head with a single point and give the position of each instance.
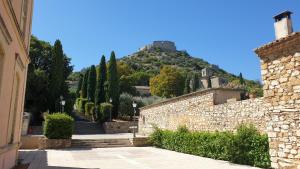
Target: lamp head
(134, 104)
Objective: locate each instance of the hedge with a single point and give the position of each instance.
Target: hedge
(58, 126)
(104, 112)
(77, 101)
(89, 109)
(82, 103)
(247, 146)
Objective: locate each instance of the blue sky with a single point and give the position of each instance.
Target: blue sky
(222, 32)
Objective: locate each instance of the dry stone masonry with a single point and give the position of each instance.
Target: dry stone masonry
(280, 64)
(208, 110)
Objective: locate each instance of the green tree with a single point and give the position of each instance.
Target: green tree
(187, 88)
(85, 84)
(124, 69)
(56, 76)
(140, 78)
(127, 85)
(168, 83)
(241, 79)
(78, 91)
(91, 85)
(101, 78)
(45, 61)
(113, 83)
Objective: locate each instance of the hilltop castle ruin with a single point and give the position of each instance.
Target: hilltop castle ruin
(162, 45)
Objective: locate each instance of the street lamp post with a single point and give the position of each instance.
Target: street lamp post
(63, 102)
(134, 111)
(110, 101)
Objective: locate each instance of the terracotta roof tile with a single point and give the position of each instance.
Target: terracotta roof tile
(278, 41)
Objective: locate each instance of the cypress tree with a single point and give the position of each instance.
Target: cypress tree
(79, 86)
(101, 78)
(91, 85)
(56, 76)
(113, 83)
(241, 79)
(85, 84)
(187, 88)
(196, 83)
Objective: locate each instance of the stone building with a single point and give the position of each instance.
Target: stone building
(280, 69)
(207, 80)
(166, 46)
(15, 31)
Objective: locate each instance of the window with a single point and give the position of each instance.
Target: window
(14, 110)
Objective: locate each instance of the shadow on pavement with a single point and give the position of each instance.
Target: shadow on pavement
(38, 159)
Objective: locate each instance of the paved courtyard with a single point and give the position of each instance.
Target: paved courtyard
(120, 158)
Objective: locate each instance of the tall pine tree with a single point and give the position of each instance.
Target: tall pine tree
(101, 78)
(113, 84)
(91, 86)
(78, 91)
(241, 79)
(196, 82)
(56, 82)
(187, 88)
(85, 84)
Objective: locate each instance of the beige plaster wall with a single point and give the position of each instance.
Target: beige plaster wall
(13, 71)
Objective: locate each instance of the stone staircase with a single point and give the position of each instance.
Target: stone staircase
(86, 127)
(100, 143)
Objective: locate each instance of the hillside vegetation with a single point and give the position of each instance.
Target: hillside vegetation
(143, 65)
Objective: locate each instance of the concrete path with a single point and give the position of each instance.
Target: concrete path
(120, 158)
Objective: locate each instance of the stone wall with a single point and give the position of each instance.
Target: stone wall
(30, 141)
(119, 127)
(45, 143)
(280, 64)
(198, 111)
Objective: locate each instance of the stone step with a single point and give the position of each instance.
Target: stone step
(100, 143)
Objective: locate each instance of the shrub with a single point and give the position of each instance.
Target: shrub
(104, 112)
(58, 126)
(77, 103)
(247, 146)
(82, 103)
(250, 147)
(89, 109)
(125, 108)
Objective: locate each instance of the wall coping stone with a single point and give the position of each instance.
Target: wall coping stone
(190, 95)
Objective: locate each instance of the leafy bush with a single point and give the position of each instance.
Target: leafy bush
(250, 148)
(104, 112)
(82, 103)
(247, 146)
(58, 126)
(89, 109)
(78, 100)
(125, 108)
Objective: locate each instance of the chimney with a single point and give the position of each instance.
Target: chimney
(283, 24)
